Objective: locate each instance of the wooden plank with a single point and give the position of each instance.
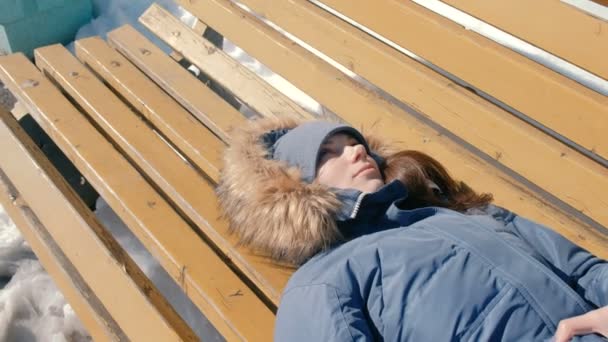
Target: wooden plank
(184, 87)
(601, 2)
(227, 302)
(245, 84)
(101, 262)
(19, 110)
(554, 100)
(193, 139)
(593, 8)
(366, 109)
(550, 25)
(176, 56)
(98, 324)
(97, 321)
(576, 179)
(199, 28)
(190, 192)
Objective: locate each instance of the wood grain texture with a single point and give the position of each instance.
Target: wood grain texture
(553, 26)
(245, 84)
(575, 179)
(176, 124)
(201, 273)
(60, 224)
(182, 185)
(553, 100)
(366, 109)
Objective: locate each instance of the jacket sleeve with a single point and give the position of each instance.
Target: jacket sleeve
(587, 272)
(319, 313)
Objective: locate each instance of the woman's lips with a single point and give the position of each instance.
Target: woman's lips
(364, 169)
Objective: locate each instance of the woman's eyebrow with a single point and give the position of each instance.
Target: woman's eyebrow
(328, 142)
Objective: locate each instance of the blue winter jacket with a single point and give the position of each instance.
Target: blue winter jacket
(433, 274)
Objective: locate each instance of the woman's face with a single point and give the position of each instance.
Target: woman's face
(344, 164)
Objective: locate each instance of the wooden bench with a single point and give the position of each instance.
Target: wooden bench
(148, 136)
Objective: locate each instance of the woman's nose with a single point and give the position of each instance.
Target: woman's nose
(358, 152)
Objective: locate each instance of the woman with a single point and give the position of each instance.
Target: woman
(389, 247)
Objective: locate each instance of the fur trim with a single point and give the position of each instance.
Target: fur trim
(267, 205)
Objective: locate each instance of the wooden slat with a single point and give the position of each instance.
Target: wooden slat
(550, 25)
(97, 321)
(176, 56)
(576, 179)
(554, 100)
(590, 7)
(364, 108)
(193, 194)
(199, 28)
(227, 302)
(98, 324)
(19, 110)
(184, 87)
(138, 91)
(601, 2)
(192, 138)
(244, 83)
(106, 269)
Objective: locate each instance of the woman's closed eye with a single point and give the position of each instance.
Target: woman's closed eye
(325, 153)
(330, 150)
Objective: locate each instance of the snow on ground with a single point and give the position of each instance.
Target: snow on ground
(31, 308)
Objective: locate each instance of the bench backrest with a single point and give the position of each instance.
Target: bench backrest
(151, 138)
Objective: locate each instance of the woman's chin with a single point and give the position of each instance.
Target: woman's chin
(371, 185)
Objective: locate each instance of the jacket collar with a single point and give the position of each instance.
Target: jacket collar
(356, 204)
(363, 213)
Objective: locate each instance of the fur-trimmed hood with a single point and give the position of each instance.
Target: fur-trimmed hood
(267, 204)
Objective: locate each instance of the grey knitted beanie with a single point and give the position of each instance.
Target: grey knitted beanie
(300, 146)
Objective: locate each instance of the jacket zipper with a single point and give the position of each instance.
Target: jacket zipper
(357, 205)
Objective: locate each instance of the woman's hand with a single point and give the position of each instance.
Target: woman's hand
(595, 321)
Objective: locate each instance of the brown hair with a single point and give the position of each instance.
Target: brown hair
(420, 172)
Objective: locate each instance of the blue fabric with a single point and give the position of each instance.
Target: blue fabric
(432, 274)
